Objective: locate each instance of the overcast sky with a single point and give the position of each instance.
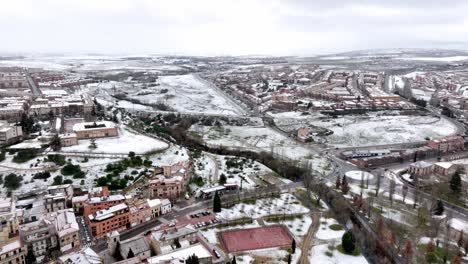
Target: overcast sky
(238, 27)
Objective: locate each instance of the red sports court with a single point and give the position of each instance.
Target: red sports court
(239, 240)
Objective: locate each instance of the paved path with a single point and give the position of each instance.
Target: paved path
(307, 243)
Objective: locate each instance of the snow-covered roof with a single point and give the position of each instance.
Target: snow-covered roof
(421, 164)
(91, 126)
(110, 198)
(182, 254)
(16, 244)
(107, 213)
(445, 165)
(154, 202)
(86, 256)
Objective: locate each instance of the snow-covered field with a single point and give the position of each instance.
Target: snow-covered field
(439, 59)
(285, 204)
(324, 232)
(374, 128)
(124, 143)
(252, 138)
(89, 63)
(324, 250)
(94, 169)
(188, 93)
(318, 255)
(359, 175)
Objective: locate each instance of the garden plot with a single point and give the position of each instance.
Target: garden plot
(286, 204)
(188, 93)
(125, 142)
(297, 226)
(376, 128)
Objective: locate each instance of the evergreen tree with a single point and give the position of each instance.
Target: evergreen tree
(26, 123)
(222, 179)
(177, 243)
(234, 260)
(455, 183)
(293, 247)
(289, 259)
(192, 260)
(439, 208)
(344, 185)
(55, 143)
(348, 242)
(216, 203)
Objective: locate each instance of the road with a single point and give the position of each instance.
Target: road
(32, 85)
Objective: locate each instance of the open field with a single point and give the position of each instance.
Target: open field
(374, 128)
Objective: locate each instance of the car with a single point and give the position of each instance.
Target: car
(216, 253)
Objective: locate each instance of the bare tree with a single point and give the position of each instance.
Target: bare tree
(377, 186)
(391, 191)
(404, 192)
(361, 185)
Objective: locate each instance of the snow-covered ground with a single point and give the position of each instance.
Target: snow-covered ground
(188, 93)
(172, 155)
(359, 175)
(285, 204)
(94, 168)
(439, 59)
(124, 143)
(318, 255)
(324, 250)
(210, 167)
(259, 139)
(89, 63)
(374, 128)
(325, 232)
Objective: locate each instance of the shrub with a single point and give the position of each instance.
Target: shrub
(58, 180)
(57, 159)
(23, 156)
(348, 242)
(12, 181)
(42, 175)
(70, 169)
(67, 181)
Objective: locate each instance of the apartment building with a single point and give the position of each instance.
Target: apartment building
(9, 133)
(66, 228)
(55, 202)
(114, 218)
(13, 78)
(447, 144)
(13, 252)
(65, 189)
(162, 187)
(140, 212)
(94, 204)
(57, 230)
